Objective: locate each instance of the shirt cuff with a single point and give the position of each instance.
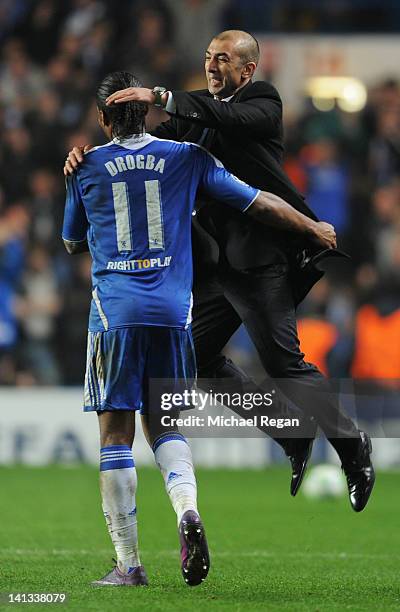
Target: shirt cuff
(170, 106)
(251, 201)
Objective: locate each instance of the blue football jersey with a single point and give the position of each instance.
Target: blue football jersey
(133, 201)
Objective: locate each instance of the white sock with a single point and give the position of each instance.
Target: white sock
(174, 458)
(118, 484)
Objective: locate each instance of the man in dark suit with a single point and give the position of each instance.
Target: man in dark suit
(244, 272)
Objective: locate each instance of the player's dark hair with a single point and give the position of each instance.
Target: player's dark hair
(126, 118)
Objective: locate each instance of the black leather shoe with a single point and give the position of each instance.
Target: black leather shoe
(298, 451)
(360, 474)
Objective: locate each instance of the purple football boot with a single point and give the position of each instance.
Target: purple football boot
(194, 549)
(136, 577)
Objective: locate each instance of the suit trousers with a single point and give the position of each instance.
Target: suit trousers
(262, 299)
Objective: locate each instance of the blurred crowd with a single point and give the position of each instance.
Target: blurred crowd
(348, 165)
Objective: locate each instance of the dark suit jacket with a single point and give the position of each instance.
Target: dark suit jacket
(246, 135)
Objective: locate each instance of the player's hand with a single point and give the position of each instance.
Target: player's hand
(136, 94)
(325, 235)
(74, 158)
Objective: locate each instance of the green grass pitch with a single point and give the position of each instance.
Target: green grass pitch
(269, 551)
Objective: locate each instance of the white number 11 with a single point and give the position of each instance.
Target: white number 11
(123, 220)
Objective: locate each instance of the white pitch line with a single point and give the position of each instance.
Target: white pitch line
(216, 554)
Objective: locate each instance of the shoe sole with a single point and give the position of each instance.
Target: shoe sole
(303, 471)
(198, 560)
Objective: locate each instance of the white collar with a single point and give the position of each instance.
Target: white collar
(135, 141)
(131, 138)
(224, 99)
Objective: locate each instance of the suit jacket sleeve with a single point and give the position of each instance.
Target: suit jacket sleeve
(259, 113)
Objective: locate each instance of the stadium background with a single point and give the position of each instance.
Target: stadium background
(343, 153)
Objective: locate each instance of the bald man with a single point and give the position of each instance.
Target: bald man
(244, 272)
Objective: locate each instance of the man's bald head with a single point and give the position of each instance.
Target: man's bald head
(246, 46)
(230, 62)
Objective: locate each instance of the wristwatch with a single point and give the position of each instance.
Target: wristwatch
(158, 92)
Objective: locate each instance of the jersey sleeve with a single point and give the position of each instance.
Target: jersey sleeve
(222, 185)
(75, 224)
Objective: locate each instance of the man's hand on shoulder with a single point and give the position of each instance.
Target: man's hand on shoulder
(74, 158)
